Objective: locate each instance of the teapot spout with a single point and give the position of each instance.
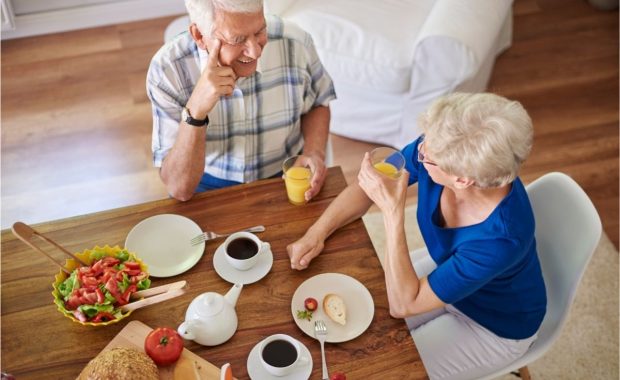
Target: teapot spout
(233, 294)
(187, 329)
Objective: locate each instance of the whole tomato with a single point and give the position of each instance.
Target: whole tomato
(164, 345)
(338, 376)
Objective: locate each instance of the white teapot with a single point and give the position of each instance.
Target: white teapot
(211, 318)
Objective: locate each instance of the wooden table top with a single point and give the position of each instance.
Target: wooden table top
(39, 342)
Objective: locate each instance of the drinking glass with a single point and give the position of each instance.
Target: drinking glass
(387, 161)
(297, 176)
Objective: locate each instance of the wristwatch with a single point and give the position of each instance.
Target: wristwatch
(187, 117)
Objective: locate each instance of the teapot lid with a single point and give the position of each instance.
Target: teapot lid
(209, 304)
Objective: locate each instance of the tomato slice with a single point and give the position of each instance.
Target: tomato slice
(103, 316)
(132, 265)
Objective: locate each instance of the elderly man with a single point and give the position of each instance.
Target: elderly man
(234, 96)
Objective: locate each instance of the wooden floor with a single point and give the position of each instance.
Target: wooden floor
(76, 123)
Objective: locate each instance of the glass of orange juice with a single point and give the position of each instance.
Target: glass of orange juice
(388, 161)
(297, 176)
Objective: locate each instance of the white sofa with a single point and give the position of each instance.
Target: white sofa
(390, 59)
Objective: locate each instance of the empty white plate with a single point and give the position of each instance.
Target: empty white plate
(163, 243)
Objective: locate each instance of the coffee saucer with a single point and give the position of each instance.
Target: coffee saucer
(236, 276)
(258, 372)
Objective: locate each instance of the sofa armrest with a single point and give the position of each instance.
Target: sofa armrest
(277, 7)
(476, 24)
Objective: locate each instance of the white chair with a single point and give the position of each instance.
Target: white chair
(568, 230)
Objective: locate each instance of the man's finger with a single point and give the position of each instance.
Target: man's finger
(214, 55)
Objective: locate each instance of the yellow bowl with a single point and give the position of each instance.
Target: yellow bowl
(71, 264)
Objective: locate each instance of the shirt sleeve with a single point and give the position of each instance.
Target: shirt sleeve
(321, 89)
(166, 111)
(410, 152)
(473, 265)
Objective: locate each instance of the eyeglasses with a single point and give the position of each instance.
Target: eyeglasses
(242, 41)
(421, 156)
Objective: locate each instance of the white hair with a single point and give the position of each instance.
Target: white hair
(484, 137)
(201, 12)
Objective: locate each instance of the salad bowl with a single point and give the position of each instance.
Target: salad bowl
(64, 286)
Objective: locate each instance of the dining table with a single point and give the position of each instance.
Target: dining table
(39, 342)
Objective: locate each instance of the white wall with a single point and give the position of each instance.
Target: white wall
(52, 16)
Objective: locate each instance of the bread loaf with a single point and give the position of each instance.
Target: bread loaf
(120, 364)
(334, 307)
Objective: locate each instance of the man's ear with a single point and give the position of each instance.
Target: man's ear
(463, 182)
(197, 36)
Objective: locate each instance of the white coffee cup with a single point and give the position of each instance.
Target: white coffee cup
(244, 256)
(284, 352)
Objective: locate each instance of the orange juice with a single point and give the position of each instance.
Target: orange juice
(387, 169)
(297, 180)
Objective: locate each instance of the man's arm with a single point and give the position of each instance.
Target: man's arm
(183, 167)
(315, 130)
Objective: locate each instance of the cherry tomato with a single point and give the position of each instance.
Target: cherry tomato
(338, 376)
(164, 345)
(310, 304)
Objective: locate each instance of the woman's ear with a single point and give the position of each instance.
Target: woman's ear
(463, 182)
(197, 36)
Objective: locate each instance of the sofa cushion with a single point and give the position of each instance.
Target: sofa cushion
(363, 44)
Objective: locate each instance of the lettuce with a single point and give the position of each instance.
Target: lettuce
(69, 285)
(123, 255)
(92, 310)
(144, 284)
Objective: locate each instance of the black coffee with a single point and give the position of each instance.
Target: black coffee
(279, 353)
(242, 248)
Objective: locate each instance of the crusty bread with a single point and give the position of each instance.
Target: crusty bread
(335, 308)
(120, 363)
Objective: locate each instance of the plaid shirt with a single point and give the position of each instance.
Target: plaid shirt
(251, 132)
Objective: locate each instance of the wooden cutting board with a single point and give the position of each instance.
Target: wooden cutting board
(133, 336)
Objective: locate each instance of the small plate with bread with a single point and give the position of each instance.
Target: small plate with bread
(344, 304)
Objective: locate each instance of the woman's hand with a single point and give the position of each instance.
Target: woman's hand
(304, 250)
(387, 193)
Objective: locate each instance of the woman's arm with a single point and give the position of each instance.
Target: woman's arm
(407, 295)
(350, 205)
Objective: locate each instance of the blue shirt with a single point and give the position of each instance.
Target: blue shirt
(251, 132)
(490, 270)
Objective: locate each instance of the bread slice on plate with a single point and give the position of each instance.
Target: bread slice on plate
(334, 307)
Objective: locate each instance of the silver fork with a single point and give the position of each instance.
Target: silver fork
(208, 235)
(320, 332)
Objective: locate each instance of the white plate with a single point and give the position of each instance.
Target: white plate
(359, 303)
(256, 371)
(236, 276)
(163, 243)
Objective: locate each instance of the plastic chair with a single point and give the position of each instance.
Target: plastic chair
(568, 230)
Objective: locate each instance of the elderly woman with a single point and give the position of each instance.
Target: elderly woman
(475, 298)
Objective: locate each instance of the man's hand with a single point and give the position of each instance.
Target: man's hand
(387, 193)
(215, 81)
(319, 173)
(304, 250)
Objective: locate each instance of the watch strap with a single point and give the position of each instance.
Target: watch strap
(189, 119)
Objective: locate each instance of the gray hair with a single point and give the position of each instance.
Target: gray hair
(201, 12)
(484, 137)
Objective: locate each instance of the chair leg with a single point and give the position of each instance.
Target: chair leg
(524, 373)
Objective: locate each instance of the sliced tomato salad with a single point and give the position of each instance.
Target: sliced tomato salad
(94, 293)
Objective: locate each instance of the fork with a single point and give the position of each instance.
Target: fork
(209, 235)
(320, 332)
